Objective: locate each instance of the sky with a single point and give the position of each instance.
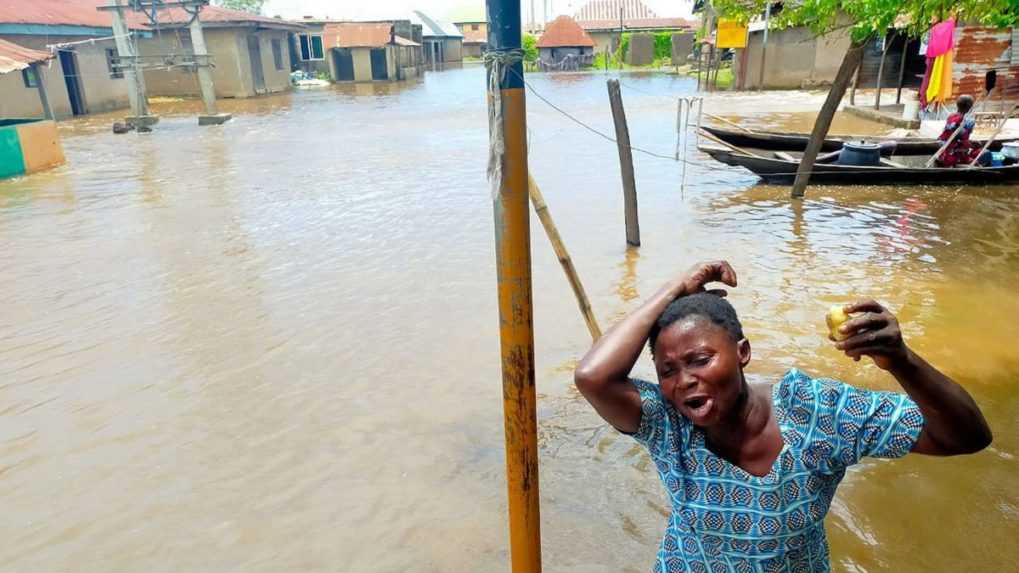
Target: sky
(449, 10)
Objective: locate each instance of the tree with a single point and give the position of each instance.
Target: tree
(253, 6)
(865, 19)
(530, 47)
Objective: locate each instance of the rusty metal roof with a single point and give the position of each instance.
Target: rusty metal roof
(356, 34)
(14, 57)
(59, 12)
(564, 32)
(85, 13)
(216, 16)
(637, 24)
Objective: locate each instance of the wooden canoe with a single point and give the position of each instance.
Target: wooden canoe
(776, 141)
(781, 168)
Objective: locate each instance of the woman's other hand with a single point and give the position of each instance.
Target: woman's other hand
(874, 332)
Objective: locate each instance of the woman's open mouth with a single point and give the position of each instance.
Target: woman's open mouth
(698, 406)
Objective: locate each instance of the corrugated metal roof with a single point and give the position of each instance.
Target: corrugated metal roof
(401, 41)
(59, 12)
(637, 24)
(85, 13)
(356, 34)
(215, 15)
(431, 28)
(564, 32)
(978, 50)
(614, 9)
(14, 57)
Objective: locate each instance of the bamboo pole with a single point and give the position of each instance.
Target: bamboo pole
(902, 69)
(885, 43)
(541, 210)
(513, 266)
(732, 123)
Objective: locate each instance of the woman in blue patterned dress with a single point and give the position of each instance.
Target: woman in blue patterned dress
(751, 469)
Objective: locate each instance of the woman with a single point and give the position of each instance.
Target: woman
(961, 151)
(751, 470)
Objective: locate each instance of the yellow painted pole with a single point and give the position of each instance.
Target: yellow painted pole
(513, 263)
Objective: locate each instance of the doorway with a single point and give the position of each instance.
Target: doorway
(344, 62)
(72, 79)
(255, 54)
(379, 71)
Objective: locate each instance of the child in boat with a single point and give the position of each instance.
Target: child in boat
(961, 151)
(751, 469)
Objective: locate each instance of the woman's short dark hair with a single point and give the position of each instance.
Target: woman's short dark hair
(711, 307)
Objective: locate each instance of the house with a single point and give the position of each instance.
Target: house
(359, 51)
(443, 43)
(82, 76)
(22, 76)
(565, 45)
(606, 20)
(370, 51)
(250, 53)
(475, 41)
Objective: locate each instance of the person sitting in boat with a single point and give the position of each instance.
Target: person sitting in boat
(751, 470)
(961, 151)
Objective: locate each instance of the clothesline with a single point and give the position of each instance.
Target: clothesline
(55, 47)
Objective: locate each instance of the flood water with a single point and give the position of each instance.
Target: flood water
(273, 346)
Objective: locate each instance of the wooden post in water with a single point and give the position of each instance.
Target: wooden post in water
(902, 69)
(513, 266)
(625, 164)
(541, 210)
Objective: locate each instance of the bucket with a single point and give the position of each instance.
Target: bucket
(910, 109)
(860, 153)
(1011, 150)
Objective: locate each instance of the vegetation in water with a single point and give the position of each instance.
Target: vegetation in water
(530, 47)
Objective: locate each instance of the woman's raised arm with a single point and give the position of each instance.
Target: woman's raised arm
(602, 375)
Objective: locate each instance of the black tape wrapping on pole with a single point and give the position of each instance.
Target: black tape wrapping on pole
(498, 63)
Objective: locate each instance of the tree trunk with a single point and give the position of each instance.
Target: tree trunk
(881, 71)
(850, 63)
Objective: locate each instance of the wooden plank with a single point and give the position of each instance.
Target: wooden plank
(625, 164)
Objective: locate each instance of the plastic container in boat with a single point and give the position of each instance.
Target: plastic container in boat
(1010, 150)
(860, 153)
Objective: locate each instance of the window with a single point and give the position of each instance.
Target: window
(113, 64)
(277, 54)
(474, 27)
(311, 47)
(31, 77)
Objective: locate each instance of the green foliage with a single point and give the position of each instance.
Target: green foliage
(663, 45)
(621, 51)
(867, 18)
(530, 47)
(253, 6)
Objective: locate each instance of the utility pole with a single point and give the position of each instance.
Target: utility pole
(201, 53)
(127, 52)
(508, 170)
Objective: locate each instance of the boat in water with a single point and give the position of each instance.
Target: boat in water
(776, 141)
(893, 168)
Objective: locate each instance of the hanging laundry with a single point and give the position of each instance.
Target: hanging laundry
(942, 38)
(924, 40)
(934, 85)
(926, 82)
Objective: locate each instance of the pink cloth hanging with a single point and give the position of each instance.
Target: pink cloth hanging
(942, 38)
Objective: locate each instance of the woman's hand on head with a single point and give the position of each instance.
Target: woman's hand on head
(694, 280)
(874, 332)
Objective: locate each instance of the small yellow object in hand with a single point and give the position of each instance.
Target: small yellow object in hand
(835, 318)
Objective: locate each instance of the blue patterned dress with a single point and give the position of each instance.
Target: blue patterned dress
(725, 519)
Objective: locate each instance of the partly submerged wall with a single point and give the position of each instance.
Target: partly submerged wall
(28, 146)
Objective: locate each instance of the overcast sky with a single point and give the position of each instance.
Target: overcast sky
(442, 9)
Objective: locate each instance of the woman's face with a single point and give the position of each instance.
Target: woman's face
(700, 369)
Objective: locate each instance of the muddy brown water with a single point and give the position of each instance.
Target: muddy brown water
(272, 346)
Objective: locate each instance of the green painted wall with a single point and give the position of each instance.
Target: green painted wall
(11, 160)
